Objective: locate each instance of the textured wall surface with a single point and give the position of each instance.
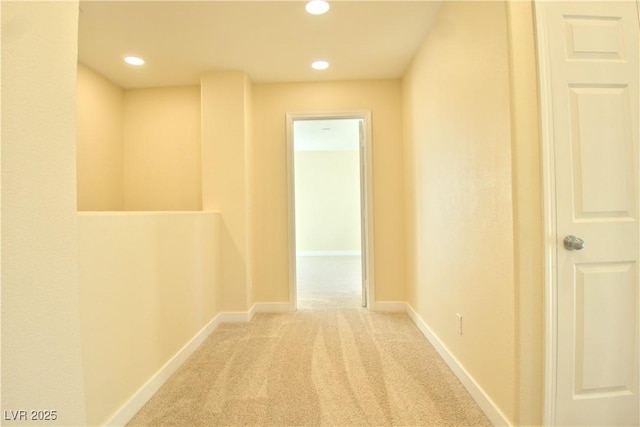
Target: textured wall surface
(327, 201)
(161, 149)
(41, 351)
(99, 143)
(459, 192)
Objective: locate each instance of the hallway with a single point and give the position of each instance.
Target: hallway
(142, 215)
(330, 363)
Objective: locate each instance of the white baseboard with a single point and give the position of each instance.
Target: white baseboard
(262, 307)
(144, 393)
(328, 253)
(142, 396)
(485, 403)
(236, 316)
(389, 307)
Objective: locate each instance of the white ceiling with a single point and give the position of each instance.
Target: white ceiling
(273, 41)
(326, 135)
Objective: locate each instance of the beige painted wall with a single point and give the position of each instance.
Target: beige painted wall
(458, 182)
(226, 160)
(327, 201)
(269, 217)
(161, 149)
(138, 149)
(41, 347)
(149, 282)
(99, 142)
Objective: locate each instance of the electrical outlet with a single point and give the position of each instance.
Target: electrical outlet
(459, 323)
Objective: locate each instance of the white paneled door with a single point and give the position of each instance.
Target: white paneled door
(589, 54)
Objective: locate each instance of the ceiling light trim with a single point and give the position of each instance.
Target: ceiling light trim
(134, 60)
(317, 7)
(320, 65)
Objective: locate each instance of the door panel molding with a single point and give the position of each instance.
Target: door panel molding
(587, 67)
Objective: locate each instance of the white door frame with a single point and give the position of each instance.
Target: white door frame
(366, 162)
(549, 209)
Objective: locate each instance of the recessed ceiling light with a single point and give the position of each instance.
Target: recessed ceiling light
(320, 65)
(134, 60)
(317, 7)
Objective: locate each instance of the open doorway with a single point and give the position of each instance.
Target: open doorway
(329, 223)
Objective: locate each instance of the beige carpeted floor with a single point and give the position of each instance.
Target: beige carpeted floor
(330, 363)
